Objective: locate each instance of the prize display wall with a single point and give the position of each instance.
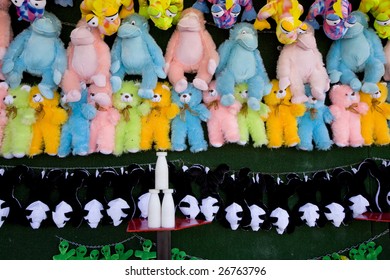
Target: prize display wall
(213, 240)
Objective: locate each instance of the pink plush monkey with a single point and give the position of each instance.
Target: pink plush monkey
(300, 63)
(191, 49)
(5, 31)
(89, 61)
(386, 77)
(222, 125)
(3, 111)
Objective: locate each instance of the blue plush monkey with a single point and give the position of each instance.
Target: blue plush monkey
(241, 62)
(135, 52)
(39, 51)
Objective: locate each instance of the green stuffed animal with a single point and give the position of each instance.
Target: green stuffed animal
(131, 109)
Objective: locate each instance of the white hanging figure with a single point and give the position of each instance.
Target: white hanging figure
(4, 212)
(189, 206)
(359, 205)
(310, 214)
(234, 215)
(209, 208)
(283, 219)
(94, 209)
(38, 213)
(61, 214)
(256, 217)
(115, 210)
(335, 213)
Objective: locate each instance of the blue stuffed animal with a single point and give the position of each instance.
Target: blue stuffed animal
(241, 62)
(188, 124)
(135, 52)
(359, 51)
(312, 125)
(39, 51)
(75, 132)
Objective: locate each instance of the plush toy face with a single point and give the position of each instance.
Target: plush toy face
(164, 13)
(225, 18)
(343, 96)
(381, 95)
(3, 94)
(245, 35)
(211, 94)
(190, 97)
(18, 97)
(29, 10)
(358, 27)
(82, 36)
(277, 96)
(4, 5)
(191, 20)
(37, 100)
(288, 29)
(127, 96)
(241, 93)
(161, 97)
(48, 25)
(133, 26)
(381, 13)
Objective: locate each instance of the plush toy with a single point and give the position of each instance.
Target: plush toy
(346, 109)
(191, 49)
(301, 63)
(5, 30)
(374, 123)
(345, 60)
(49, 120)
(222, 126)
(39, 51)
(187, 124)
(18, 131)
(286, 14)
(29, 10)
(250, 122)
(380, 12)
(312, 125)
(131, 109)
(3, 110)
(106, 14)
(163, 13)
(241, 46)
(386, 50)
(281, 124)
(135, 52)
(64, 3)
(156, 125)
(336, 16)
(102, 127)
(89, 61)
(75, 132)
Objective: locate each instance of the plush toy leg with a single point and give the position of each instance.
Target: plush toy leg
(348, 77)
(71, 86)
(147, 132)
(94, 132)
(176, 77)
(373, 73)
(306, 137)
(132, 139)
(381, 132)
(36, 142)
(367, 132)
(196, 138)
(291, 137)
(230, 130)
(7, 143)
(162, 137)
(340, 131)
(106, 140)
(355, 135)
(258, 133)
(149, 82)
(179, 134)
(81, 142)
(51, 138)
(243, 129)
(214, 132)
(319, 83)
(225, 86)
(119, 138)
(298, 91)
(321, 137)
(203, 77)
(274, 133)
(255, 92)
(65, 142)
(21, 142)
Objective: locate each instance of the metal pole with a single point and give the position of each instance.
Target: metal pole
(164, 245)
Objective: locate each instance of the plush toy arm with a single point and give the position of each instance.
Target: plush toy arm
(336, 111)
(298, 109)
(172, 111)
(316, 9)
(327, 115)
(265, 12)
(3, 117)
(235, 108)
(88, 111)
(104, 63)
(211, 51)
(59, 116)
(249, 13)
(60, 63)
(170, 51)
(264, 111)
(376, 45)
(143, 8)
(28, 116)
(224, 54)
(362, 108)
(333, 59)
(366, 5)
(283, 69)
(114, 116)
(6, 32)
(203, 112)
(14, 50)
(156, 54)
(116, 52)
(144, 109)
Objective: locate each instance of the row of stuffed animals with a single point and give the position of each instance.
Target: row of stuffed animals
(237, 199)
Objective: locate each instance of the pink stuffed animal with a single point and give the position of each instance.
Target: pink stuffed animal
(102, 129)
(300, 63)
(222, 125)
(89, 61)
(386, 49)
(5, 31)
(191, 49)
(347, 110)
(3, 111)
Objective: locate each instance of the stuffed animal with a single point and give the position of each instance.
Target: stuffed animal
(286, 14)
(49, 120)
(187, 124)
(29, 10)
(346, 109)
(39, 51)
(345, 60)
(386, 50)
(135, 52)
(374, 123)
(131, 109)
(18, 131)
(3, 110)
(312, 126)
(242, 45)
(156, 125)
(336, 16)
(102, 127)
(191, 49)
(250, 122)
(89, 61)
(301, 63)
(281, 124)
(5, 30)
(380, 12)
(163, 13)
(75, 132)
(222, 126)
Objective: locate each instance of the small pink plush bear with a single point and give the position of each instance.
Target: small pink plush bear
(5, 31)
(102, 128)
(3, 112)
(89, 61)
(347, 110)
(222, 125)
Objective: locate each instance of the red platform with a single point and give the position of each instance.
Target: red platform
(141, 225)
(374, 217)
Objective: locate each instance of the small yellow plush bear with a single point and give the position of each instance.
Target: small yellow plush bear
(281, 125)
(49, 119)
(156, 125)
(374, 124)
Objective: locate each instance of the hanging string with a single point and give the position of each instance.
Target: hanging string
(98, 246)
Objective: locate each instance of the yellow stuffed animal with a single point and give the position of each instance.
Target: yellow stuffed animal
(156, 125)
(281, 125)
(374, 124)
(47, 128)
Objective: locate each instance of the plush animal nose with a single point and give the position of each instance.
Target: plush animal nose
(127, 96)
(314, 99)
(155, 96)
(353, 93)
(280, 91)
(184, 95)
